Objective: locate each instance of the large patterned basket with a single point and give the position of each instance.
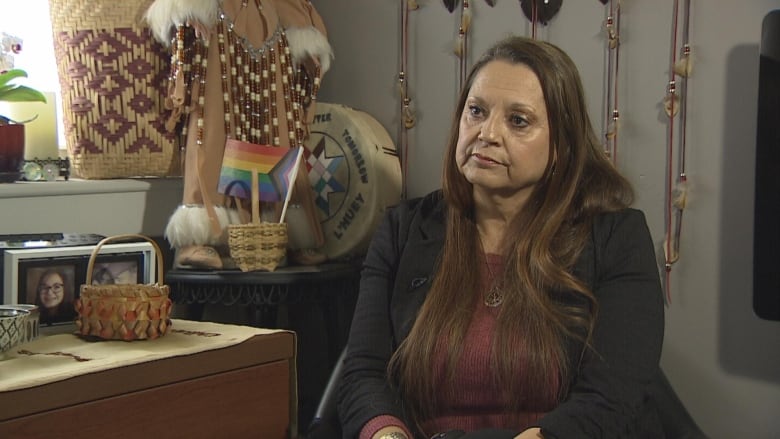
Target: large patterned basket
(123, 312)
(113, 76)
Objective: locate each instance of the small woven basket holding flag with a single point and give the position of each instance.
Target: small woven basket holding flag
(258, 245)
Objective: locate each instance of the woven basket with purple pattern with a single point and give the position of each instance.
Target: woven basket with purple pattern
(113, 76)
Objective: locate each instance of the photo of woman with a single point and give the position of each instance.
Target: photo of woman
(52, 290)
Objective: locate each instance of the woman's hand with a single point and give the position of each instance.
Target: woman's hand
(390, 432)
(490, 433)
(531, 433)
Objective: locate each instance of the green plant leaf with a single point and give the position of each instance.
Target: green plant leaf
(20, 93)
(17, 93)
(10, 75)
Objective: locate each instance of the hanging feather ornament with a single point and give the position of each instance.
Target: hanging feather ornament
(612, 48)
(613, 38)
(462, 43)
(612, 129)
(676, 102)
(465, 23)
(680, 196)
(408, 117)
(465, 18)
(671, 253)
(671, 101)
(684, 67)
(541, 11)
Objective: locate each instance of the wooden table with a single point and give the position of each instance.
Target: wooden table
(245, 390)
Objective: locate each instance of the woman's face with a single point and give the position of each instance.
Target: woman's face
(504, 137)
(51, 290)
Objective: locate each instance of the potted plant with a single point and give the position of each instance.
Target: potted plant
(11, 131)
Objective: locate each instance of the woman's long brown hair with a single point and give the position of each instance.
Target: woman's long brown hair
(545, 306)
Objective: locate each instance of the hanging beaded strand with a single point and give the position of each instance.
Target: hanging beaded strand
(291, 104)
(179, 66)
(202, 61)
(300, 96)
(271, 96)
(676, 105)
(313, 87)
(613, 55)
(407, 115)
(461, 47)
(223, 66)
(237, 85)
(670, 101)
(683, 68)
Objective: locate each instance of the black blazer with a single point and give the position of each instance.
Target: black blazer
(608, 397)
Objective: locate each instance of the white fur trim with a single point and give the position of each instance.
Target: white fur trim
(164, 15)
(190, 225)
(308, 41)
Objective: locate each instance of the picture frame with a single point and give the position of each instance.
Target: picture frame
(52, 276)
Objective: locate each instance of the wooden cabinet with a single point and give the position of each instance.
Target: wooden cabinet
(242, 391)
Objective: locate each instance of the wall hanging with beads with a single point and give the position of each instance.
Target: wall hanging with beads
(536, 11)
(675, 104)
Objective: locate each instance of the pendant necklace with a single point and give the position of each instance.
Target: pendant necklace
(494, 296)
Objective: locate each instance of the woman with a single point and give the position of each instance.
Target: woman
(523, 299)
(51, 294)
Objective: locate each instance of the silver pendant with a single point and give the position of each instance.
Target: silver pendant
(494, 297)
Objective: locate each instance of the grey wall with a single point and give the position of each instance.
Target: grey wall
(722, 359)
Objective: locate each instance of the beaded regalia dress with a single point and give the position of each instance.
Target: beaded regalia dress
(244, 69)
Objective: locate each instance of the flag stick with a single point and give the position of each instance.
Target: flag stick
(291, 183)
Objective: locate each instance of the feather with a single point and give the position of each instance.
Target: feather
(465, 20)
(612, 129)
(450, 5)
(614, 40)
(459, 46)
(684, 66)
(409, 119)
(671, 104)
(670, 250)
(680, 196)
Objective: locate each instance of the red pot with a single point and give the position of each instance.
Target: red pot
(11, 152)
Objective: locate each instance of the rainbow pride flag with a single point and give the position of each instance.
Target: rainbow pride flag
(274, 165)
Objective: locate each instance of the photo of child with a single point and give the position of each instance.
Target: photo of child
(52, 289)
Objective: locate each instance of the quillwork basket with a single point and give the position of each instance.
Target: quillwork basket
(113, 76)
(123, 312)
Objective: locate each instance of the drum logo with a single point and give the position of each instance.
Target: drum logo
(335, 167)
